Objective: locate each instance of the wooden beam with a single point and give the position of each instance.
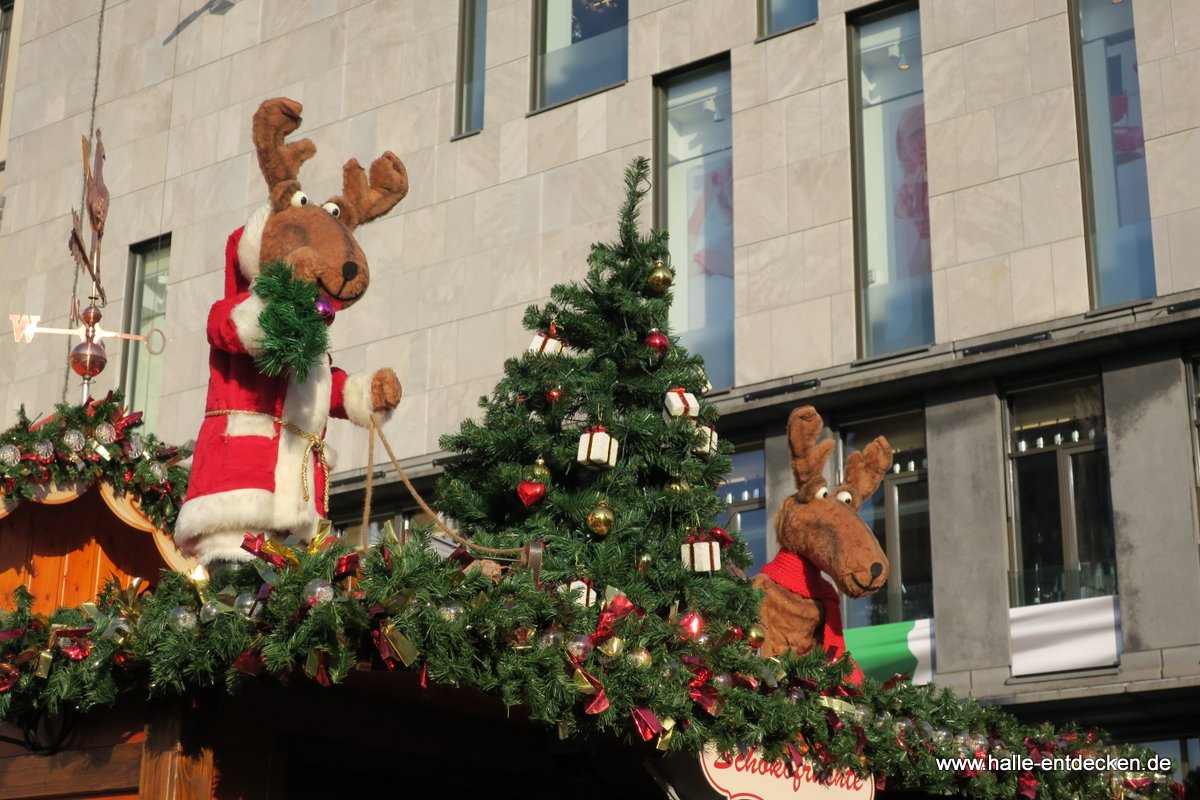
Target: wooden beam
(171, 770)
(72, 772)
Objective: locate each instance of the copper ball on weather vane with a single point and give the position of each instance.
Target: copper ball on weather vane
(88, 359)
(91, 315)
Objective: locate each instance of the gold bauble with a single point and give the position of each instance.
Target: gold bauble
(755, 636)
(540, 471)
(660, 277)
(600, 520)
(678, 486)
(644, 562)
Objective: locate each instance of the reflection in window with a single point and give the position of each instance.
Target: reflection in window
(745, 493)
(472, 46)
(780, 15)
(898, 513)
(583, 47)
(895, 285)
(1064, 547)
(698, 199)
(145, 311)
(1122, 251)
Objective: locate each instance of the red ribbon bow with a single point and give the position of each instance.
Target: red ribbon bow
(255, 545)
(1027, 786)
(647, 723)
(10, 634)
(347, 566)
(618, 607)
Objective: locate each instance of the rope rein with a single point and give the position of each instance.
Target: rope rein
(375, 430)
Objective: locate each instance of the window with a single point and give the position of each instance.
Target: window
(899, 515)
(777, 16)
(472, 46)
(145, 314)
(745, 492)
(583, 47)
(895, 288)
(696, 200)
(6, 21)
(1114, 168)
(1063, 547)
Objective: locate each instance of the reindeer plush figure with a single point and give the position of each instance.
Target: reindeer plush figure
(820, 531)
(260, 463)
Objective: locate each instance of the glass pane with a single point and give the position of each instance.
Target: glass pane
(699, 203)
(474, 44)
(584, 47)
(150, 307)
(893, 190)
(1039, 520)
(912, 572)
(905, 433)
(745, 492)
(1119, 205)
(1049, 415)
(1097, 569)
(872, 609)
(1171, 749)
(784, 14)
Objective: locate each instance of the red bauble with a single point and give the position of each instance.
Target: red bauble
(553, 396)
(737, 632)
(658, 342)
(530, 492)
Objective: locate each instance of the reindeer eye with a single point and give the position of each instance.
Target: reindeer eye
(333, 208)
(822, 493)
(844, 497)
(299, 199)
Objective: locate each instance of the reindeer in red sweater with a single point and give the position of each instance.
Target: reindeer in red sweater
(820, 531)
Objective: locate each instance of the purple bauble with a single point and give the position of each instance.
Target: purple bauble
(325, 310)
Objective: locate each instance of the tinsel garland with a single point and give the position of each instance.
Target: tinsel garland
(289, 615)
(99, 440)
(294, 335)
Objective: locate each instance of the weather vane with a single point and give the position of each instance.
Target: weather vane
(88, 357)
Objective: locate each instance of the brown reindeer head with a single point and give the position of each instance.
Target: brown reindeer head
(317, 240)
(824, 526)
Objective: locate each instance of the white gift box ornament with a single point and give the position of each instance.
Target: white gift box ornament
(706, 443)
(545, 344)
(586, 595)
(704, 556)
(680, 404)
(597, 448)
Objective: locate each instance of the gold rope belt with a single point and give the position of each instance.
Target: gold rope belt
(315, 445)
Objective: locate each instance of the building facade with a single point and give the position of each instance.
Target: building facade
(969, 225)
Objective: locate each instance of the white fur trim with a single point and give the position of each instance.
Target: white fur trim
(250, 425)
(212, 527)
(307, 407)
(245, 320)
(356, 396)
(250, 246)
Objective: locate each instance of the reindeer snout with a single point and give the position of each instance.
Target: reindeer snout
(876, 570)
(349, 271)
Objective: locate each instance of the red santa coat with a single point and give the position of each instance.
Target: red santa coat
(249, 472)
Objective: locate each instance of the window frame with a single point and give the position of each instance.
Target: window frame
(460, 80)
(535, 64)
(135, 279)
(660, 166)
(734, 508)
(764, 16)
(854, 23)
(1087, 184)
(889, 486)
(1065, 475)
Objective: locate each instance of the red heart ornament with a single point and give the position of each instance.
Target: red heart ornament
(530, 492)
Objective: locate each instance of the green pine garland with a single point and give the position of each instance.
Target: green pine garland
(294, 336)
(66, 448)
(523, 638)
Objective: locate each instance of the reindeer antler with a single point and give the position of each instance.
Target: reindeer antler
(280, 162)
(808, 455)
(866, 468)
(363, 201)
